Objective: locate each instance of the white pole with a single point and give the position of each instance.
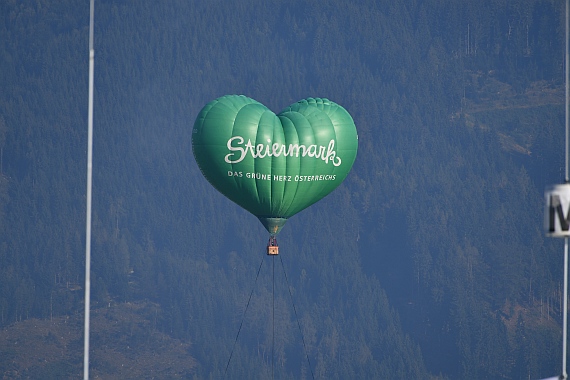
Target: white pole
(565, 312)
(567, 79)
(89, 186)
(565, 303)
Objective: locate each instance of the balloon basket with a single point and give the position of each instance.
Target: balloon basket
(272, 247)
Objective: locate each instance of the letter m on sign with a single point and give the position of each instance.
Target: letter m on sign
(555, 209)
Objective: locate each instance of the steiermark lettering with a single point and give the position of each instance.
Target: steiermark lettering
(240, 150)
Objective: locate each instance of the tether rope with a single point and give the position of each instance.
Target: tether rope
(273, 315)
(297, 318)
(243, 317)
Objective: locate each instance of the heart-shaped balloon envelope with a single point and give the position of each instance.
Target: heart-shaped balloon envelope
(274, 165)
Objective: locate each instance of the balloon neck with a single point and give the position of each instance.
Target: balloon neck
(273, 225)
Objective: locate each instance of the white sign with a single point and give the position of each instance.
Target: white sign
(557, 211)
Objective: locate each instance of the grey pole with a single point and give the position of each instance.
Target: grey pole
(89, 186)
(565, 303)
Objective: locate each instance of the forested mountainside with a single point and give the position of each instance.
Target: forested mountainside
(126, 344)
(428, 262)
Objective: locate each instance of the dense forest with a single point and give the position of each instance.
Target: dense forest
(429, 261)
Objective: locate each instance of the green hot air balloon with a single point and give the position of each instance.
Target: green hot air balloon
(274, 165)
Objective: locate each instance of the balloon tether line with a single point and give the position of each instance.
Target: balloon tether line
(297, 318)
(243, 317)
(273, 315)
